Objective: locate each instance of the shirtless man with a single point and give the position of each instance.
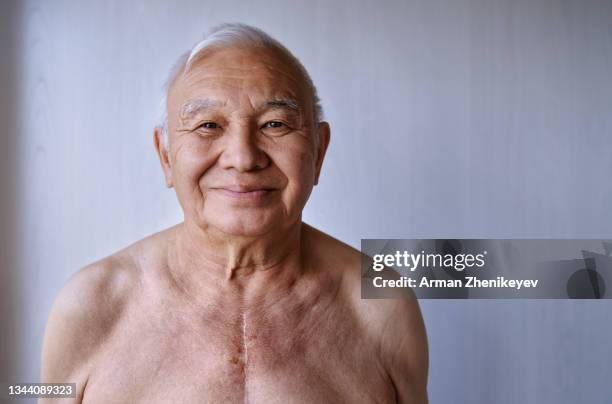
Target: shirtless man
(242, 301)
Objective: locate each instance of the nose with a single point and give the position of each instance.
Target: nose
(241, 151)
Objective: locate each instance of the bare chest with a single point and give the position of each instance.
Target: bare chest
(305, 354)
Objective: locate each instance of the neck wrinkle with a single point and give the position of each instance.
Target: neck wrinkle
(197, 261)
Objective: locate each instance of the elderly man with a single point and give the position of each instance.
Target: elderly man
(242, 301)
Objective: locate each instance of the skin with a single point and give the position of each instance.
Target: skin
(242, 301)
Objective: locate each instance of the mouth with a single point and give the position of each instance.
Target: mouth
(245, 191)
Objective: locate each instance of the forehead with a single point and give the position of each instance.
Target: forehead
(233, 75)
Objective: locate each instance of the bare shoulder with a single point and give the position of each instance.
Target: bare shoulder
(82, 316)
(398, 326)
(395, 324)
(329, 251)
(87, 309)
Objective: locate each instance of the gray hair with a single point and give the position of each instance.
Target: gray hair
(227, 35)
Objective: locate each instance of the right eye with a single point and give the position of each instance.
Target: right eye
(209, 125)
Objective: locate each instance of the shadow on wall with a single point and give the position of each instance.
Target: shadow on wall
(9, 24)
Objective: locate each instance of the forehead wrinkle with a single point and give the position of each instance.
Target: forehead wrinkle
(280, 91)
(241, 67)
(287, 86)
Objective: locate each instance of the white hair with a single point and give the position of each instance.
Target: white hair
(228, 35)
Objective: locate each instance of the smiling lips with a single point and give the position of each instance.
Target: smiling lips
(245, 191)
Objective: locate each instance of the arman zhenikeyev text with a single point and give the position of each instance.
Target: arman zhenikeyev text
(467, 282)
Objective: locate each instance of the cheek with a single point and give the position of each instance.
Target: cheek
(298, 165)
(192, 159)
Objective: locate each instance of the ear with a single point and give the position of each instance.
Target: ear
(324, 136)
(162, 153)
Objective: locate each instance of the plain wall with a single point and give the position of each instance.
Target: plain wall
(450, 118)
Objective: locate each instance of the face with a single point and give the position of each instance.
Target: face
(243, 153)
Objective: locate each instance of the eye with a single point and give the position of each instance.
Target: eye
(209, 125)
(276, 128)
(273, 125)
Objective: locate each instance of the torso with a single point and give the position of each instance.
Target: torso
(309, 345)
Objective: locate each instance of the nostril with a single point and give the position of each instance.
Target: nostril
(242, 153)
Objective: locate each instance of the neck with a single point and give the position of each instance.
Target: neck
(209, 259)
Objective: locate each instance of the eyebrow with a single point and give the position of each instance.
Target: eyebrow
(284, 103)
(193, 107)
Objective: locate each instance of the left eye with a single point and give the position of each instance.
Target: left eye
(273, 124)
(210, 125)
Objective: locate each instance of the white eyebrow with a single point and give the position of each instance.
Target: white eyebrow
(194, 106)
(285, 103)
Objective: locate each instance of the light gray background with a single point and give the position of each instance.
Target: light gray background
(450, 118)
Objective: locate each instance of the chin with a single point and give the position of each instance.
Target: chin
(245, 224)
